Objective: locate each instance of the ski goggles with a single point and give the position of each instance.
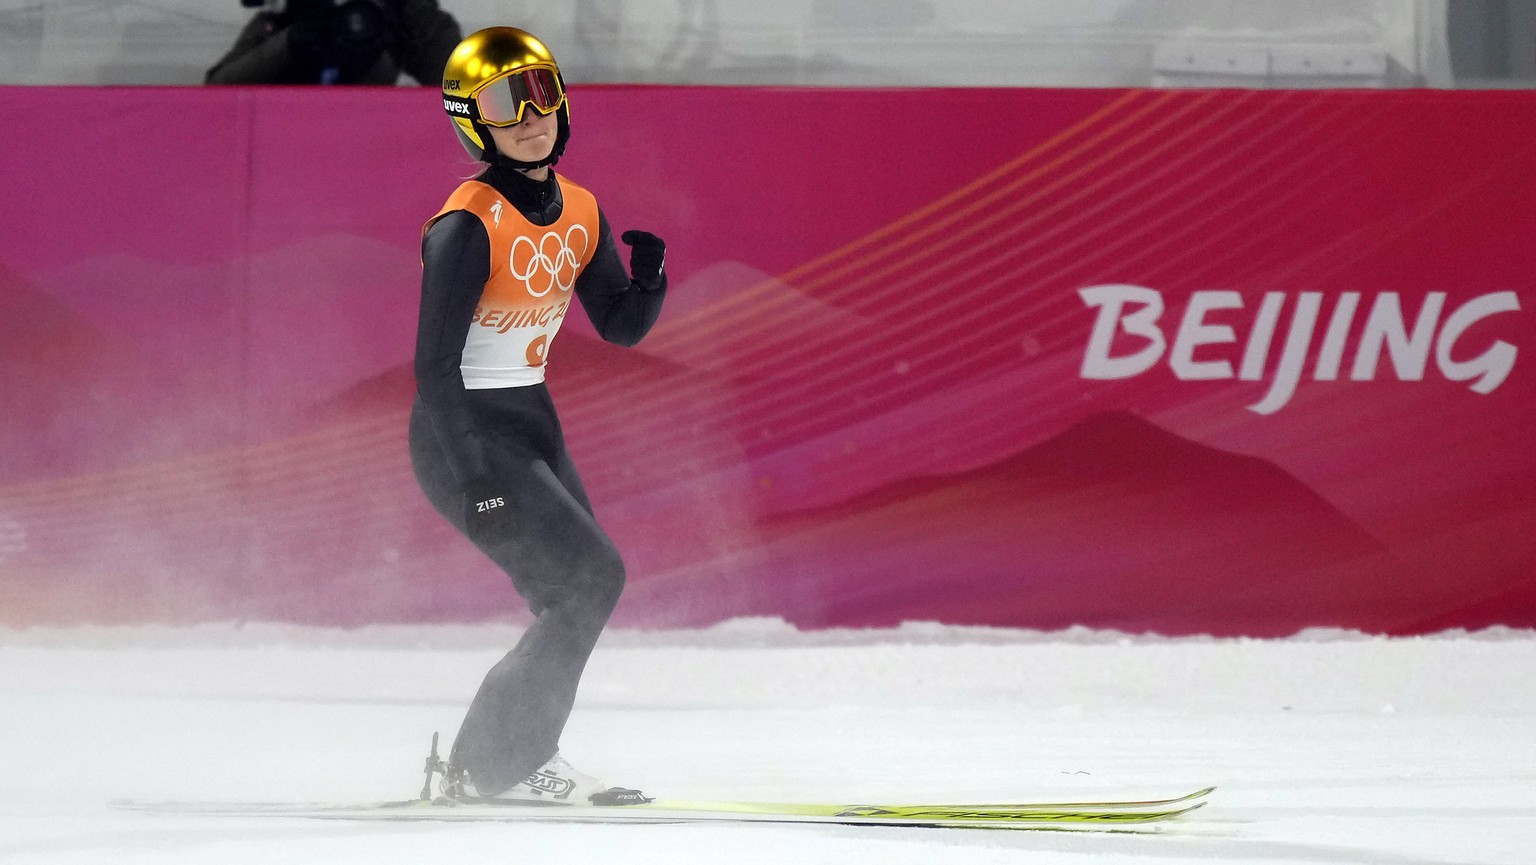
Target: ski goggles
(502, 102)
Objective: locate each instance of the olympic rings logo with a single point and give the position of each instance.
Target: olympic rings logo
(549, 263)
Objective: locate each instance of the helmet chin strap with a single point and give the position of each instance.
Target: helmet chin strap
(497, 158)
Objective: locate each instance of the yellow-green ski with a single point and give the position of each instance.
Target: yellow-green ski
(1113, 815)
(447, 810)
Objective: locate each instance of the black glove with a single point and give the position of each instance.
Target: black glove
(647, 254)
(486, 514)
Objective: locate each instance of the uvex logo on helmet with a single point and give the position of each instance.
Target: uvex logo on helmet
(457, 106)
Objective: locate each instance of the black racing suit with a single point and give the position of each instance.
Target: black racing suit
(509, 440)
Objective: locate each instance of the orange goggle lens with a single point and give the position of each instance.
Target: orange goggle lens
(501, 102)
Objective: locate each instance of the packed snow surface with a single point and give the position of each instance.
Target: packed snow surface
(1327, 747)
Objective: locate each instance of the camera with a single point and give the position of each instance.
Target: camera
(339, 42)
(342, 38)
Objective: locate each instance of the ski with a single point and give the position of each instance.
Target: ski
(1106, 804)
(1106, 815)
(934, 816)
(1132, 807)
(435, 766)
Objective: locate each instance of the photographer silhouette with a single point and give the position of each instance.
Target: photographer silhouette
(340, 42)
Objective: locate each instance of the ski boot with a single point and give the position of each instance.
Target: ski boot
(554, 783)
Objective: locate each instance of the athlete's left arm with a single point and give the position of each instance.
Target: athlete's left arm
(620, 307)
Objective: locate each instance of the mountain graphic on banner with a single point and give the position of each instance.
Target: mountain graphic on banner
(1114, 523)
(76, 391)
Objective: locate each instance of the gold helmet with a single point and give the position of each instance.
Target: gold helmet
(492, 78)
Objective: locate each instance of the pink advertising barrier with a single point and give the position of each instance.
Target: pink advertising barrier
(1220, 362)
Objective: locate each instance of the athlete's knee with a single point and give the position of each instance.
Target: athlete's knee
(589, 573)
(604, 577)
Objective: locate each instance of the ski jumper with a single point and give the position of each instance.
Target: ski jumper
(501, 263)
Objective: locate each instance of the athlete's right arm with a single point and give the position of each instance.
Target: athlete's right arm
(456, 262)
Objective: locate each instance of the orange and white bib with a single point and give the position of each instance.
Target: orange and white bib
(533, 272)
